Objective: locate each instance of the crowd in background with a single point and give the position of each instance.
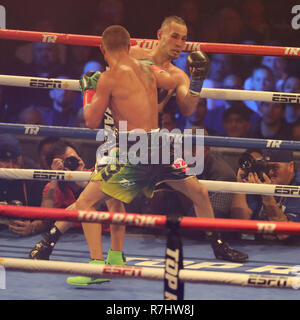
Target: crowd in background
(244, 22)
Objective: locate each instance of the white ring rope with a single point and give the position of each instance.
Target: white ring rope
(223, 94)
(111, 271)
(213, 186)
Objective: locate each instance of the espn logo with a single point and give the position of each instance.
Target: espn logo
(287, 190)
(44, 83)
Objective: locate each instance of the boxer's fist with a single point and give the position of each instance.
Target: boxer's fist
(89, 80)
(198, 63)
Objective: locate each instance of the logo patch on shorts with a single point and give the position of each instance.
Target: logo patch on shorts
(179, 164)
(126, 183)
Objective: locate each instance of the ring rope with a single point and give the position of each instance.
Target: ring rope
(223, 94)
(85, 133)
(109, 271)
(86, 40)
(149, 220)
(212, 186)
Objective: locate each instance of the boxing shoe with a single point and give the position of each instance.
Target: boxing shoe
(86, 281)
(222, 250)
(43, 249)
(115, 258)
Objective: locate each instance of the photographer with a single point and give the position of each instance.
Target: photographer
(17, 192)
(269, 167)
(62, 155)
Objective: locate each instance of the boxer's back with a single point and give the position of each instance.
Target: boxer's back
(134, 94)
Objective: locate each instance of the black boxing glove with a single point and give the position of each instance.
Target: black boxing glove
(198, 63)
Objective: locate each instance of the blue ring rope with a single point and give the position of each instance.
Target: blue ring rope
(85, 133)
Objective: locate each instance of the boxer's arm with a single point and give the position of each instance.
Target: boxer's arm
(187, 102)
(163, 78)
(94, 111)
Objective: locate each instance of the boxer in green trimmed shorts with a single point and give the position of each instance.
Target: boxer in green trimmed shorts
(125, 181)
(129, 87)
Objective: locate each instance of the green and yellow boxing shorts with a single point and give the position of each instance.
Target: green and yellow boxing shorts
(124, 181)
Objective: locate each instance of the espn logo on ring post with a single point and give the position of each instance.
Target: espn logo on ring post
(2, 17)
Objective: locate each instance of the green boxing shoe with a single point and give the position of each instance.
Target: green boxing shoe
(86, 281)
(116, 258)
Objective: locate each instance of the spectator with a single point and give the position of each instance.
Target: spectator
(214, 118)
(56, 157)
(78, 56)
(17, 192)
(60, 156)
(197, 118)
(272, 124)
(260, 80)
(280, 171)
(244, 64)
(24, 52)
(65, 106)
(43, 148)
(278, 67)
(220, 68)
(292, 110)
(44, 62)
(30, 115)
(43, 65)
(236, 121)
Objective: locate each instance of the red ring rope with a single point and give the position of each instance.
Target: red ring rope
(85, 40)
(147, 220)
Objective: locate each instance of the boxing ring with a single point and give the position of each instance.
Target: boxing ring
(269, 270)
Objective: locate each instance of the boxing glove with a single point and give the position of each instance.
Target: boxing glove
(88, 85)
(198, 63)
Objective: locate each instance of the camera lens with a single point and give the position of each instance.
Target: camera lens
(71, 163)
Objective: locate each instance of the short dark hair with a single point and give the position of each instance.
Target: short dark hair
(58, 148)
(115, 38)
(47, 140)
(170, 19)
(239, 108)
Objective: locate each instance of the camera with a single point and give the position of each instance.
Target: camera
(71, 163)
(249, 164)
